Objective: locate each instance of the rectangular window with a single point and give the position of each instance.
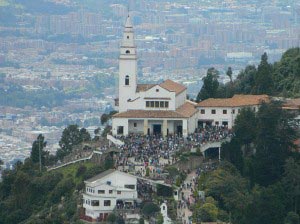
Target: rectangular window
(95, 203)
(147, 104)
(161, 104)
(110, 191)
(233, 111)
(120, 130)
(166, 104)
(134, 125)
(202, 111)
(118, 192)
(151, 103)
(213, 111)
(106, 202)
(224, 111)
(101, 191)
(254, 109)
(239, 110)
(156, 104)
(129, 186)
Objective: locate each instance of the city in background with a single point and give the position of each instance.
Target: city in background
(59, 59)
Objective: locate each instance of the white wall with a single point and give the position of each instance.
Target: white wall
(127, 67)
(139, 129)
(119, 122)
(219, 116)
(180, 99)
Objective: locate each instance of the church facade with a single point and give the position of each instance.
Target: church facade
(149, 108)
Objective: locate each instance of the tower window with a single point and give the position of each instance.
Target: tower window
(127, 80)
(127, 37)
(128, 52)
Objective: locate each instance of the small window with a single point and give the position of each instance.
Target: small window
(161, 104)
(95, 203)
(128, 52)
(217, 123)
(127, 80)
(224, 111)
(110, 191)
(106, 202)
(108, 182)
(156, 104)
(120, 130)
(233, 111)
(213, 111)
(163, 208)
(166, 104)
(152, 103)
(101, 191)
(239, 110)
(157, 90)
(147, 104)
(129, 186)
(118, 192)
(127, 37)
(134, 125)
(202, 111)
(254, 109)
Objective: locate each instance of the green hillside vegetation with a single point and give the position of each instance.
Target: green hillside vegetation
(259, 178)
(30, 194)
(279, 79)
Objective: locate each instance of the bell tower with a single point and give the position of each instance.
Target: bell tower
(127, 67)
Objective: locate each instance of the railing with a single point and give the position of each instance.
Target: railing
(75, 161)
(115, 140)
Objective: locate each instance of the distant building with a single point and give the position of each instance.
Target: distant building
(224, 111)
(149, 108)
(106, 191)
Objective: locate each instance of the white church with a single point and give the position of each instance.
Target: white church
(149, 108)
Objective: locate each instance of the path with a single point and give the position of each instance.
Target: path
(183, 211)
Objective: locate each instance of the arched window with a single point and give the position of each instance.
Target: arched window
(127, 80)
(128, 52)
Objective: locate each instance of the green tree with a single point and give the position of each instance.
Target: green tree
(149, 209)
(208, 212)
(210, 85)
(245, 129)
(292, 218)
(291, 180)
(263, 78)
(276, 133)
(70, 137)
(231, 151)
(37, 150)
(229, 74)
(267, 205)
(85, 135)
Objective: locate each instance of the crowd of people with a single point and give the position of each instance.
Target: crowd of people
(155, 151)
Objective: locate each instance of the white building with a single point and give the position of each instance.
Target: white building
(107, 190)
(149, 108)
(224, 111)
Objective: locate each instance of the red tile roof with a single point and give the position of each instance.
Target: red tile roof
(235, 101)
(185, 111)
(172, 86)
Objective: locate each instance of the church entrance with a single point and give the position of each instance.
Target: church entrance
(157, 129)
(179, 130)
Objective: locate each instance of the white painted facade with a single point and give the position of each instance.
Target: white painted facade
(167, 96)
(102, 194)
(219, 116)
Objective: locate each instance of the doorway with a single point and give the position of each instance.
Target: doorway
(157, 129)
(179, 130)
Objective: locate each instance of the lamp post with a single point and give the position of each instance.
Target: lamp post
(40, 157)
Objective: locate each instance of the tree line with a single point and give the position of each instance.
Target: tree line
(281, 78)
